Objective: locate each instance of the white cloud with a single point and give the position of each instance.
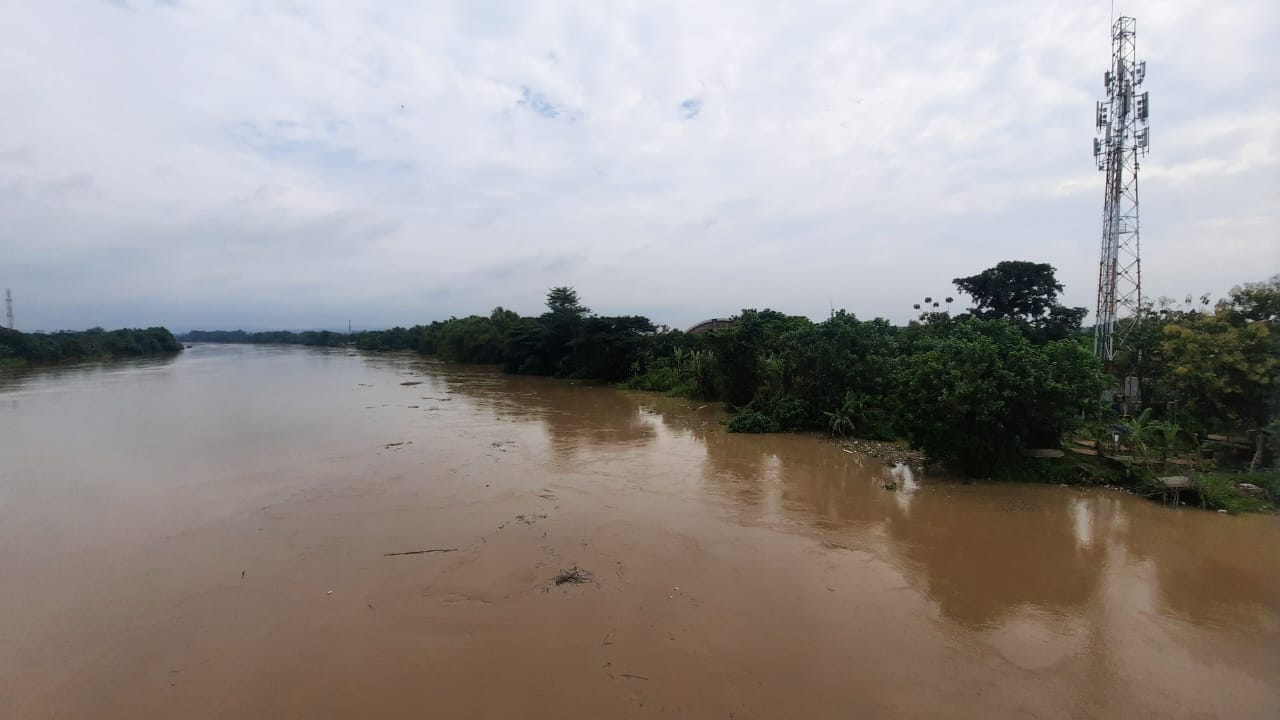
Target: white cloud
(298, 164)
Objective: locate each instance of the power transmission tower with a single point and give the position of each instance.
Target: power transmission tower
(8, 307)
(1123, 137)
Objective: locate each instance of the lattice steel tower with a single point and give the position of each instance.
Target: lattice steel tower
(8, 307)
(1123, 137)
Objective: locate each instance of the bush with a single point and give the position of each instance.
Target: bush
(977, 395)
(656, 379)
(752, 421)
(784, 412)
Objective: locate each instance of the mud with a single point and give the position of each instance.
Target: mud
(247, 532)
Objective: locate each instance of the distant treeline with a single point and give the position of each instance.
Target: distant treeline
(322, 338)
(85, 344)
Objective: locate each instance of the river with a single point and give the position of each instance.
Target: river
(211, 536)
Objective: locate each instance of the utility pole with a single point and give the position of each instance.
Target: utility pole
(1123, 136)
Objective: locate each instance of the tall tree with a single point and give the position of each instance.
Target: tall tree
(563, 302)
(560, 325)
(1026, 293)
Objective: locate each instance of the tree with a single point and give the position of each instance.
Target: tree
(560, 326)
(1222, 367)
(605, 348)
(974, 397)
(1026, 293)
(563, 302)
(738, 351)
(842, 366)
(1257, 301)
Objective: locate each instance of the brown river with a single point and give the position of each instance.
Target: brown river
(213, 536)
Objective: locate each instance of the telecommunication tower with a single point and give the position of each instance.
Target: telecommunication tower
(8, 307)
(1123, 136)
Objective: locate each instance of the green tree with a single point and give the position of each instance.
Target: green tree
(605, 348)
(1222, 367)
(977, 396)
(563, 302)
(560, 325)
(738, 351)
(842, 366)
(1258, 301)
(1026, 293)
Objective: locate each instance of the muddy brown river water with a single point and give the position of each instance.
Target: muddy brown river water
(210, 536)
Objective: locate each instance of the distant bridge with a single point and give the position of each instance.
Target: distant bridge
(708, 325)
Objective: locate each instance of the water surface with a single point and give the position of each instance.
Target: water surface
(207, 537)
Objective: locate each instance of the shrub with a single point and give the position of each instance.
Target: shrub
(753, 421)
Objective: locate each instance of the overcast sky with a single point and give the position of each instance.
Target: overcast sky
(301, 164)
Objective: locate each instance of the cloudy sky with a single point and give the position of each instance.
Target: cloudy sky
(301, 163)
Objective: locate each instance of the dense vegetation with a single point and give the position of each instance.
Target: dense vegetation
(1212, 368)
(93, 343)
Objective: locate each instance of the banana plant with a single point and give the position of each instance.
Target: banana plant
(1168, 432)
(841, 422)
(1140, 429)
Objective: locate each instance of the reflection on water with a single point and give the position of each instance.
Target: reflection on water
(982, 552)
(82, 375)
(573, 414)
(111, 458)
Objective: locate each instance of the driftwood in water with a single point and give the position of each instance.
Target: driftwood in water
(419, 552)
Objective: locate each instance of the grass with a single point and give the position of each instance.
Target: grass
(1219, 489)
(1221, 493)
(665, 380)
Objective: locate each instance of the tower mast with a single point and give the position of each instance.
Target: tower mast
(1123, 137)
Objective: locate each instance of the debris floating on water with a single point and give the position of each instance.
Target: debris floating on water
(892, 453)
(574, 576)
(420, 552)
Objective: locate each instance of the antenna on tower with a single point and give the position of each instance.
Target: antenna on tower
(1123, 136)
(8, 308)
